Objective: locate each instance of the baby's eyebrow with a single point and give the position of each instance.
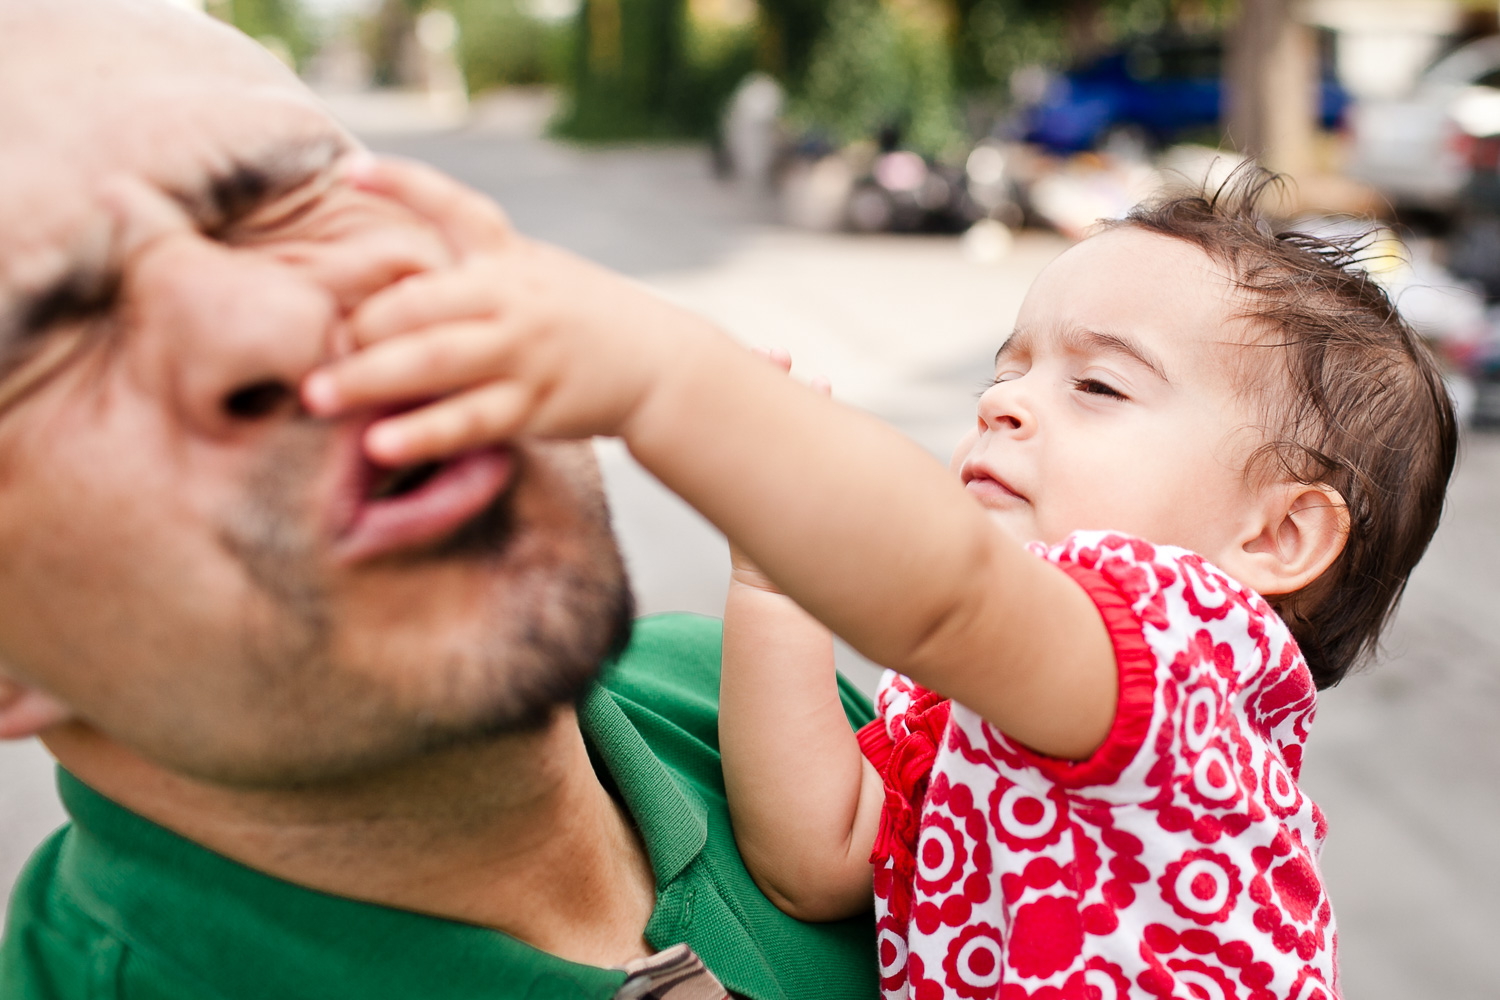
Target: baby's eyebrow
(1019, 342)
(1102, 342)
(1084, 341)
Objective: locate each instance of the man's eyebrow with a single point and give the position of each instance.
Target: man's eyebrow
(252, 180)
(83, 286)
(86, 284)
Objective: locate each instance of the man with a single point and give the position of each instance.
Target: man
(316, 719)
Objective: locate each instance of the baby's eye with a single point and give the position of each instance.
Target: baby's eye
(1094, 387)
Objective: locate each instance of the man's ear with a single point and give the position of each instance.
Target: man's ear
(1303, 529)
(26, 711)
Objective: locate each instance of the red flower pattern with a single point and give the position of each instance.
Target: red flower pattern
(971, 967)
(1191, 872)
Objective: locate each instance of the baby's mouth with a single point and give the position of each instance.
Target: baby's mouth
(990, 490)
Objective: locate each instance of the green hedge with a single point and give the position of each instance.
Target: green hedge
(500, 44)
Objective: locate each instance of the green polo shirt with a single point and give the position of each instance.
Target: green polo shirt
(114, 906)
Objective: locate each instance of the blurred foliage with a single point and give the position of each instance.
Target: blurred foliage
(500, 43)
(641, 69)
(997, 37)
(627, 66)
(891, 65)
(878, 71)
(647, 69)
(789, 31)
(278, 23)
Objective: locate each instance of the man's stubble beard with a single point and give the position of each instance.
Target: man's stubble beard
(552, 626)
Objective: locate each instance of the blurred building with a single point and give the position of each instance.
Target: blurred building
(1383, 45)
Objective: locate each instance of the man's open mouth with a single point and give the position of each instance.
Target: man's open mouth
(390, 484)
(420, 505)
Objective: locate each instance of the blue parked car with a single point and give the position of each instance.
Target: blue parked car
(1153, 90)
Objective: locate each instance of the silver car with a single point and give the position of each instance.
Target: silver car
(1413, 149)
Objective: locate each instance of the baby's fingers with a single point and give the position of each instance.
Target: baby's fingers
(475, 419)
(469, 220)
(778, 356)
(435, 362)
(782, 358)
(424, 300)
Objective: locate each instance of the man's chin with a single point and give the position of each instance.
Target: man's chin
(490, 700)
(485, 536)
(479, 635)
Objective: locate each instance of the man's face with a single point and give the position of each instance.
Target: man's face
(200, 570)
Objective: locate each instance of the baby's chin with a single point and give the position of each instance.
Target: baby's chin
(1019, 525)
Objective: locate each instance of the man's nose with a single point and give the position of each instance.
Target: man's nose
(227, 336)
(1006, 407)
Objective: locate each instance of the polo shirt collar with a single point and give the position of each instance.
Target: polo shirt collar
(251, 935)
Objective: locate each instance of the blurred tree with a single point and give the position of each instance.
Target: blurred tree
(637, 69)
(280, 24)
(641, 69)
(790, 30)
(628, 63)
(875, 71)
(997, 37)
(390, 42)
(1271, 86)
(501, 43)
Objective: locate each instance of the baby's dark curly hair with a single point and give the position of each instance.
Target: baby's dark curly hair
(1361, 406)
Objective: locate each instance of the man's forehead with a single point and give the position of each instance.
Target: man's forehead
(92, 72)
(91, 89)
(93, 41)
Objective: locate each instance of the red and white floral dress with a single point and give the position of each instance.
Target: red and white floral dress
(1179, 861)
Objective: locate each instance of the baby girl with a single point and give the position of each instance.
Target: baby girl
(1210, 456)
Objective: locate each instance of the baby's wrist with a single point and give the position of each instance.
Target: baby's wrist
(678, 361)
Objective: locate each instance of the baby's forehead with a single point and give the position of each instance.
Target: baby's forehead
(1129, 282)
(1125, 252)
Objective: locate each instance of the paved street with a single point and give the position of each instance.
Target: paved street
(1403, 760)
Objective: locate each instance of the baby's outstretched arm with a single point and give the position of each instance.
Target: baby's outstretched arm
(859, 525)
(803, 799)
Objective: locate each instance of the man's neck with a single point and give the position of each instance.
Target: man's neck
(516, 834)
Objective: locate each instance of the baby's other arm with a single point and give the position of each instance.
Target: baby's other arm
(803, 799)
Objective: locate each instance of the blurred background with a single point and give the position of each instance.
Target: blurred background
(874, 183)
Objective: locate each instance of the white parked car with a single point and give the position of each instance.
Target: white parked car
(1413, 149)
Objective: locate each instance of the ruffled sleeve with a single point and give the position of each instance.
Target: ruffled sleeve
(1136, 666)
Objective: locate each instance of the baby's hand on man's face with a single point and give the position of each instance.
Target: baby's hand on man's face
(517, 338)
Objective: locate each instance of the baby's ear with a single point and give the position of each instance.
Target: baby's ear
(26, 711)
(1302, 531)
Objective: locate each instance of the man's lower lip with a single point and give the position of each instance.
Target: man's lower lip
(463, 488)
